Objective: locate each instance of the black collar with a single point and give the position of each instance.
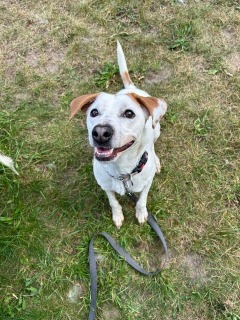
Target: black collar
(141, 164)
(128, 176)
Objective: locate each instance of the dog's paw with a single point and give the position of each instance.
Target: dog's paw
(118, 219)
(142, 215)
(158, 164)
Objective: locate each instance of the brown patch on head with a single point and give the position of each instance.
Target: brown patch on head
(82, 103)
(126, 78)
(150, 103)
(155, 107)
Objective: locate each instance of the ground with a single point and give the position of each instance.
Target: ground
(186, 52)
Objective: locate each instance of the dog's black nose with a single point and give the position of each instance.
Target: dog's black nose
(102, 134)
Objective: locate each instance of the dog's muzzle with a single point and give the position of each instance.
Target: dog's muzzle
(102, 135)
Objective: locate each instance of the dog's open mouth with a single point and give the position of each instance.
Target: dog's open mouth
(107, 154)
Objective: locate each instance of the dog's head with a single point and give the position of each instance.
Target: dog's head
(116, 122)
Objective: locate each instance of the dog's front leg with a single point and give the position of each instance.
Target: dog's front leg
(141, 206)
(117, 214)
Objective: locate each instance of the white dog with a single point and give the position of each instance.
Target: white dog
(122, 129)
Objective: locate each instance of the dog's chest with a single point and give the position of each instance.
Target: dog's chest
(110, 178)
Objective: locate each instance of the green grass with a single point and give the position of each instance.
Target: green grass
(182, 34)
(105, 77)
(187, 54)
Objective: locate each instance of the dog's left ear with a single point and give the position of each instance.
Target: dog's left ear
(82, 103)
(156, 107)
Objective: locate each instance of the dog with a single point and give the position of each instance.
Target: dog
(122, 129)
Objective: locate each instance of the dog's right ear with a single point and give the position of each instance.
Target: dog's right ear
(82, 103)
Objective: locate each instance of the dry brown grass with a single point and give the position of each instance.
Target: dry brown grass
(52, 52)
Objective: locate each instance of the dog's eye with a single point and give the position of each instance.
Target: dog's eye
(129, 114)
(94, 113)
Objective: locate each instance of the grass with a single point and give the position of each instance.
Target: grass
(105, 77)
(187, 54)
(182, 35)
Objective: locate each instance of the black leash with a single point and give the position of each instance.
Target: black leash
(93, 264)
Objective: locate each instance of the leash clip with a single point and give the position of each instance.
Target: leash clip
(125, 178)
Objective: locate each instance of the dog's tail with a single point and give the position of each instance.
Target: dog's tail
(7, 162)
(123, 67)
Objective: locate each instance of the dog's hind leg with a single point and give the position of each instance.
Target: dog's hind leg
(156, 133)
(157, 163)
(117, 214)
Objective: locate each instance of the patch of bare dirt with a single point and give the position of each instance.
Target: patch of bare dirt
(21, 96)
(76, 292)
(157, 77)
(232, 62)
(194, 268)
(230, 36)
(46, 62)
(188, 313)
(110, 312)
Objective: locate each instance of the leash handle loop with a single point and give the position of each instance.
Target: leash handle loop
(93, 264)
